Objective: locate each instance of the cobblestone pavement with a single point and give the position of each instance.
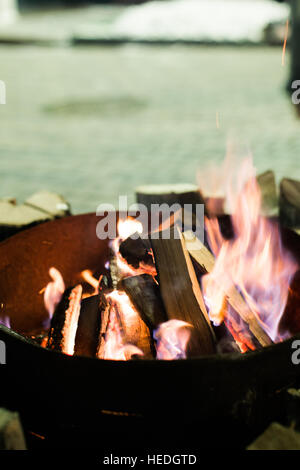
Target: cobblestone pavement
(94, 122)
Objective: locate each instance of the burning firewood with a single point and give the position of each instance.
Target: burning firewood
(64, 321)
(137, 251)
(179, 287)
(87, 334)
(144, 293)
(290, 203)
(123, 333)
(207, 261)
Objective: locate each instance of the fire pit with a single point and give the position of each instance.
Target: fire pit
(48, 387)
(121, 340)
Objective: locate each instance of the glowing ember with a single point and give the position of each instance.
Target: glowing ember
(172, 338)
(254, 261)
(116, 347)
(54, 291)
(88, 277)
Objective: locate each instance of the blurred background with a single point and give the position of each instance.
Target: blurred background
(104, 96)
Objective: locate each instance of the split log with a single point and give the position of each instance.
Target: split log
(52, 204)
(121, 323)
(88, 329)
(180, 194)
(11, 432)
(269, 197)
(137, 251)
(14, 218)
(289, 203)
(100, 353)
(206, 261)
(179, 287)
(144, 294)
(64, 322)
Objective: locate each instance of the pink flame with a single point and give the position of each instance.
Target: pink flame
(5, 321)
(254, 261)
(172, 338)
(54, 291)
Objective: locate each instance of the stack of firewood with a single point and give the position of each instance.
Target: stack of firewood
(164, 285)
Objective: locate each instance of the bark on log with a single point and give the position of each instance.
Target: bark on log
(169, 194)
(179, 287)
(144, 294)
(88, 329)
(207, 261)
(290, 203)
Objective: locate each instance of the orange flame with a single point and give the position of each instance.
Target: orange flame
(171, 339)
(254, 261)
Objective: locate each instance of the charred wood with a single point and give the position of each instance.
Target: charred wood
(136, 250)
(145, 295)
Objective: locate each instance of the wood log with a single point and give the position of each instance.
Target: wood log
(64, 322)
(206, 261)
(52, 204)
(137, 251)
(11, 432)
(88, 329)
(144, 294)
(179, 287)
(38, 208)
(289, 203)
(169, 194)
(121, 322)
(270, 202)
